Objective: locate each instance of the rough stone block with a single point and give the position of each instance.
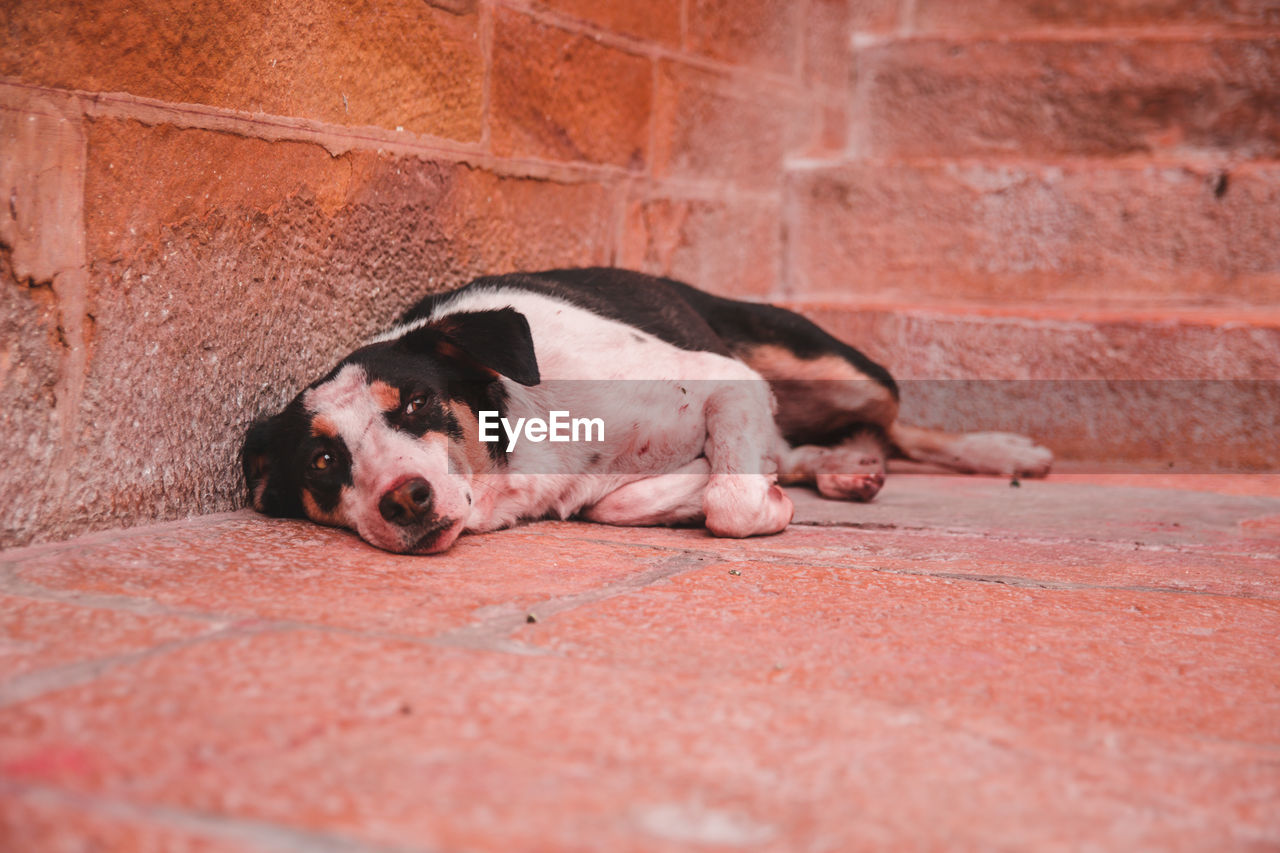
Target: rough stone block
(392, 64)
(1070, 654)
(231, 271)
(42, 635)
(874, 15)
(1005, 15)
(759, 34)
(1023, 232)
(1182, 393)
(564, 96)
(43, 329)
(302, 573)
(827, 49)
(30, 424)
(828, 131)
(657, 20)
(1000, 344)
(1008, 645)
(730, 248)
(40, 819)
(699, 119)
(936, 97)
(663, 716)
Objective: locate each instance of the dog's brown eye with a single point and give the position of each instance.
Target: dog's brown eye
(413, 405)
(322, 460)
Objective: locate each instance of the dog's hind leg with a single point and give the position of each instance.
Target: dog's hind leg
(674, 498)
(835, 416)
(827, 391)
(853, 470)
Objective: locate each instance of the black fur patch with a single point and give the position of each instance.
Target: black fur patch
(326, 484)
(417, 368)
(678, 314)
(653, 305)
(497, 341)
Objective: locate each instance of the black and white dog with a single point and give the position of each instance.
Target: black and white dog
(703, 406)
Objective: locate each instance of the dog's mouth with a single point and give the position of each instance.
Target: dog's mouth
(435, 538)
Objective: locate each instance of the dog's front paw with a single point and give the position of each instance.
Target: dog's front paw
(740, 505)
(1004, 453)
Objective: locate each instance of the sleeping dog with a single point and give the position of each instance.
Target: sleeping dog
(694, 410)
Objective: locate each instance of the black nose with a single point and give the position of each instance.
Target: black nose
(408, 503)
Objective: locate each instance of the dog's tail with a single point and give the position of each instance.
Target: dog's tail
(1003, 453)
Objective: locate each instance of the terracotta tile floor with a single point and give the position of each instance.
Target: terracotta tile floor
(1077, 663)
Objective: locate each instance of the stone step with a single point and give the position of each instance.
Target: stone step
(1186, 391)
(1089, 95)
(1001, 230)
(1004, 16)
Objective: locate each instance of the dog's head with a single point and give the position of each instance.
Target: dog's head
(386, 444)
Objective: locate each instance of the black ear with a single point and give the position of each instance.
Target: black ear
(255, 459)
(267, 458)
(499, 341)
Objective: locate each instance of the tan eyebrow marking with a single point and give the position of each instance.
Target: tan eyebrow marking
(387, 398)
(322, 427)
(471, 450)
(316, 514)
